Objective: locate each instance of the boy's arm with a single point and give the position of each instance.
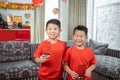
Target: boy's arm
(89, 70)
(92, 67)
(67, 69)
(73, 74)
(37, 60)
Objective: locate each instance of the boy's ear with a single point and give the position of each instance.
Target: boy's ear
(60, 30)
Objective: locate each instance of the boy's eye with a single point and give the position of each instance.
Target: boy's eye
(49, 28)
(79, 36)
(55, 29)
(52, 28)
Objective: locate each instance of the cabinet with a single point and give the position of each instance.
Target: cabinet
(15, 35)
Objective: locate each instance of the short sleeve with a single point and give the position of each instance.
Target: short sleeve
(93, 60)
(65, 49)
(67, 56)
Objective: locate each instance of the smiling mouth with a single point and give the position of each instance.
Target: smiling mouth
(52, 34)
(78, 41)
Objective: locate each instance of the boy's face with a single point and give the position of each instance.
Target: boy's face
(79, 38)
(53, 31)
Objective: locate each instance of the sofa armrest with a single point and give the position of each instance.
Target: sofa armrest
(33, 47)
(113, 53)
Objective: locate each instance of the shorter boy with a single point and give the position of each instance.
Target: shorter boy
(79, 60)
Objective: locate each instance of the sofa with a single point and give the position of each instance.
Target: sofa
(108, 66)
(16, 61)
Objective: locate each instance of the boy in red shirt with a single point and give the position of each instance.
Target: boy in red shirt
(79, 60)
(50, 53)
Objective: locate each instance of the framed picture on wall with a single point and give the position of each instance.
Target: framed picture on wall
(9, 18)
(18, 19)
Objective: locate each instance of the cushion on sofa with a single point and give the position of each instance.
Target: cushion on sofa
(70, 43)
(98, 47)
(18, 69)
(108, 66)
(12, 51)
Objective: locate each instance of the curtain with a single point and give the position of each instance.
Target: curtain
(37, 32)
(77, 15)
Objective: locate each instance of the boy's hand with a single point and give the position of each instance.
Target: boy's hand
(43, 58)
(74, 75)
(88, 73)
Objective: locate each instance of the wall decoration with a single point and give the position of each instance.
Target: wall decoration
(16, 6)
(27, 16)
(37, 3)
(3, 5)
(64, 1)
(9, 18)
(18, 19)
(108, 25)
(55, 10)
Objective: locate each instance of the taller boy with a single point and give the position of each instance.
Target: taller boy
(50, 53)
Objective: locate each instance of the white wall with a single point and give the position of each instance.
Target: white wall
(92, 12)
(63, 15)
(105, 2)
(49, 5)
(98, 3)
(107, 22)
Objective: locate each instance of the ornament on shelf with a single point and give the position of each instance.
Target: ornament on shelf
(14, 24)
(20, 25)
(27, 16)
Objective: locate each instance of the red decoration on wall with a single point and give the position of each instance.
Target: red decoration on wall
(64, 1)
(16, 6)
(37, 3)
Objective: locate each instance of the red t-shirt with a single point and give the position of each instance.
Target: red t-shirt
(52, 68)
(79, 60)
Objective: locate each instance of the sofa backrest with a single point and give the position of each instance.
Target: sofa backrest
(70, 43)
(14, 50)
(33, 49)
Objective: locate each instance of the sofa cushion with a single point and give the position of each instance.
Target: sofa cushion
(108, 66)
(70, 43)
(18, 69)
(98, 47)
(12, 51)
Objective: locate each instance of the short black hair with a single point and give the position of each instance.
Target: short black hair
(82, 28)
(54, 21)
